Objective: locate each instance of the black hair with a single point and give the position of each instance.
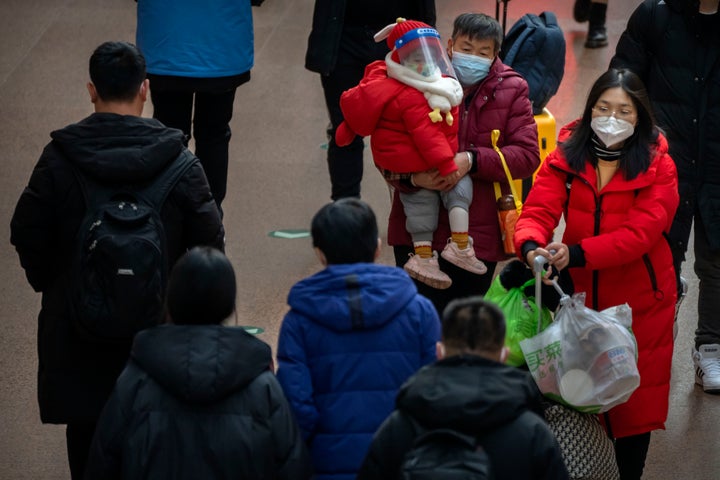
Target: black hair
(473, 323)
(201, 289)
(346, 231)
(117, 69)
(636, 152)
(478, 26)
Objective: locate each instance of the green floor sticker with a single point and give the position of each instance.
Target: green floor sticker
(253, 330)
(291, 234)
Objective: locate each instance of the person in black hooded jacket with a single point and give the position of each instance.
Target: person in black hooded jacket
(113, 146)
(198, 400)
(470, 390)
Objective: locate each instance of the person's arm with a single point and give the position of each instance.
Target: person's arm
(292, 459)
(430, 333)
(202, 224)
(33, 227)
(294, 375)
(633, 47)
(542, 209)
(518, 140)
(105, 455)
(547, 461)
(391, 442)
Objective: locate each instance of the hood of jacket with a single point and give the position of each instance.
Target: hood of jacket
(200, 363)
(116, 148)
(468, 393)
(350, 296)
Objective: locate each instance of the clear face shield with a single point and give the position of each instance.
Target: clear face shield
(420, 50)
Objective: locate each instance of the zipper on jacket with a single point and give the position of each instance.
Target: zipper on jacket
(659, 294)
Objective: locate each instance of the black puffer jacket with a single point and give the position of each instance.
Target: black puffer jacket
(197, 402)
(498, 404)
(329, 20)
(76, 376)
(679, 61)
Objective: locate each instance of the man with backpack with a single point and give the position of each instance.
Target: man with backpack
(112, 203)
(467, 415)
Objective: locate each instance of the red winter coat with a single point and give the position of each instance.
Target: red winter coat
(499, 102)
(621, 230)
(403, 139)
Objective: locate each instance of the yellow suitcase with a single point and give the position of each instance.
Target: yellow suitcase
(547, 140)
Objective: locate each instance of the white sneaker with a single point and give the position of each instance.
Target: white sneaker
(707, 367)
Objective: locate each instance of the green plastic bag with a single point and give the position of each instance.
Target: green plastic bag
(521, 316)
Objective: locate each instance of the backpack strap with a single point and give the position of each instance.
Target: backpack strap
(160, 187)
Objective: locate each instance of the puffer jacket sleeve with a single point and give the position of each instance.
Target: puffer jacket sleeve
(518, 140)
(294, 375)
(202, 224)
(546, 462)
(543, 207)
(429, 331)
(105, 455)
(292, 458)
(632, 48)
(390, 444)
(32, 227)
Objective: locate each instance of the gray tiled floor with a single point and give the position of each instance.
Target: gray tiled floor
(277, 179)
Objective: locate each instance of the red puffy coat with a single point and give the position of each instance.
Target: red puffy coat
(621, 231)
(403, 139)
(499, 102)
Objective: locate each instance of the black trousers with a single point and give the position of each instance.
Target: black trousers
(210, 124)
(464, 283)
(630, 454)
(79, 437)
(345, 164)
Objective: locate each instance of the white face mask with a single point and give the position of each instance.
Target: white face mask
(611, 130)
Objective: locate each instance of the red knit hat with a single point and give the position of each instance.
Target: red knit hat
(395, 31)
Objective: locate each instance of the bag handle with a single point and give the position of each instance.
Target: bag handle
(494, 136)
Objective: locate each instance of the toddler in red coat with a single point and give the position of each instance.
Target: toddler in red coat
(407, 104)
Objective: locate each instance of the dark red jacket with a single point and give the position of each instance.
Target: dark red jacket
(498, 102)
(621, 231)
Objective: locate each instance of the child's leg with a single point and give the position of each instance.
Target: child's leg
(457, 202)
(459, 250)
(421, 216)
(421, 211)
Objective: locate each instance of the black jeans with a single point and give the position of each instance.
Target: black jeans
(210, 127)
(345, 164)
(630, 454)
(464, 283)
(707, 268)
(79, 437)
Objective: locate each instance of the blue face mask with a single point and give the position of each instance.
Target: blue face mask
(470, 69)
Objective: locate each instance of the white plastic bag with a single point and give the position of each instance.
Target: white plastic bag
(585, 359)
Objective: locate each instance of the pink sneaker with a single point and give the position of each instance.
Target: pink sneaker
(464, 259)
(427, 271)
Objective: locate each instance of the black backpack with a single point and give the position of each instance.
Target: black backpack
(446, 454)
(120, 266)
(535, 48)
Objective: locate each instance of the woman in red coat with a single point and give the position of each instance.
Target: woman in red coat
(614, 182)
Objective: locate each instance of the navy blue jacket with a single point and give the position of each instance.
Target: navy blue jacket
(354, 334)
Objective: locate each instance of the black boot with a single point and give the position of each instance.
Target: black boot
(581, 10)
(597, 34)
